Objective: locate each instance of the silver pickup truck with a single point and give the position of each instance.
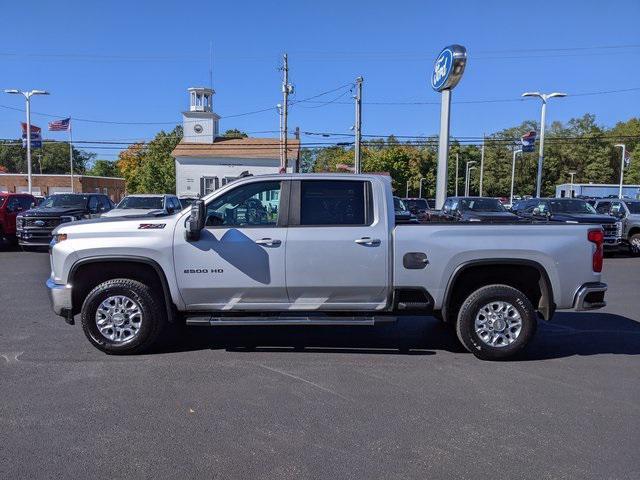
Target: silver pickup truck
(317, 249)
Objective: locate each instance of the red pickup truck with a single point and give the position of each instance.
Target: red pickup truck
(10, 205)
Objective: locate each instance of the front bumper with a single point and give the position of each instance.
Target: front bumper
(33, 237)
(61, 300)
(590, 296)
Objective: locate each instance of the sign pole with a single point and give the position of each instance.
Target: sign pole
(447, 72)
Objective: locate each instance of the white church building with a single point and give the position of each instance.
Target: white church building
(205, 161)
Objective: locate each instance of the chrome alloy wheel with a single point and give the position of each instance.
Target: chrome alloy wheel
(498, 324)
(119, 318)
(635, 245)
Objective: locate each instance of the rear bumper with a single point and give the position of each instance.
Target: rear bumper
(590, 296)
(60, 298)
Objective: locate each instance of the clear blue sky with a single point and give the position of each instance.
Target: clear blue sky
(133, 61)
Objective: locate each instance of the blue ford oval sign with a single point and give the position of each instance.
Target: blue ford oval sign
(448, 67)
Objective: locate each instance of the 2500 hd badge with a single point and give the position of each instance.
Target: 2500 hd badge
(204, 270)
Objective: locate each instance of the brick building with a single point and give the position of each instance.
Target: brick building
(47, 184)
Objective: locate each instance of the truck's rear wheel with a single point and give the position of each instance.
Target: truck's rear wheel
(496, 322)
(122, 316)
(634, 245)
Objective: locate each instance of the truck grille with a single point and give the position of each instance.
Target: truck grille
(44, 223)
(611, 230)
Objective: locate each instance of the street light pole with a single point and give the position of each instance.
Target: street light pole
(468, 169)
(27, 96)
(457, 158)
(513, 172)
(421, 180)
(623, 146)
(572, 173)
(407, 192)
(544, 97)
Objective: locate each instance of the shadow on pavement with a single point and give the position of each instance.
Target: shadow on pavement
(569, 334)
(413, 336)
(579, 333)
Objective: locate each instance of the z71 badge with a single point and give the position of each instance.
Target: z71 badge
(150, 226)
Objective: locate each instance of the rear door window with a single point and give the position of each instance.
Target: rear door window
(335, 202)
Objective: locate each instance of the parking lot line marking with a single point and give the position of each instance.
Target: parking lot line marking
(11, 357)
(290, 375)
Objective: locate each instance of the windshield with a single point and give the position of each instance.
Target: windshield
(481, 205)
(571, 206)
(399, 205)
(68, 201)
(634, 207)
(145, 203)
(417, 204)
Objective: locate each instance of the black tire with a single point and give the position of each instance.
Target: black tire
(634, 245)
(465, 324)
(154, 318)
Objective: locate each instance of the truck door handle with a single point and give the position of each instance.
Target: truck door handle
(269, 242)
(368, 241)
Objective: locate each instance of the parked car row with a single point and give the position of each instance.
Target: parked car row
(619, 218)
(29, 221)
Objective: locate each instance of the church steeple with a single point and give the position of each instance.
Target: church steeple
(200, 122)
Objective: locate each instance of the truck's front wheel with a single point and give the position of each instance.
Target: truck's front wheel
(122, 316)
(496, 322)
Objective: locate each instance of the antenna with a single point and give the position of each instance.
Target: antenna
(211, 64)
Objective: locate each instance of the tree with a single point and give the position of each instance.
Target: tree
(52, 158)
(234, 133)
(150, 168)
(104, 168)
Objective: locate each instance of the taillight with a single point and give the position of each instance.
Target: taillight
(597, 237)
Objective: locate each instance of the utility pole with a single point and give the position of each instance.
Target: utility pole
(481, 165)
(279, 108)
(286, 90)
(406, 195)
(457, 159)
(358, 125)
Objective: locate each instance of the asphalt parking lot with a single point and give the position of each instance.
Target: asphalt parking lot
(394, 401)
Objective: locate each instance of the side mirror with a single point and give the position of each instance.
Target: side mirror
(195, 224)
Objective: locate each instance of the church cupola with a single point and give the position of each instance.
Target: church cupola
(200, 122)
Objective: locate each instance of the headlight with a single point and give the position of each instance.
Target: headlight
(619, 228)
(19, 222)
(59, 237)
(67, 218)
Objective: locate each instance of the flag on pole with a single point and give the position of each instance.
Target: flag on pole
(528, 141)
(60, 125)
(36, 136)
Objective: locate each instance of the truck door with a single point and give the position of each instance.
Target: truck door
(337, 246)
(238, 262)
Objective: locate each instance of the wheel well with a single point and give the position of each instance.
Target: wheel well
(634, 230)
(87, 276)
(529, 279)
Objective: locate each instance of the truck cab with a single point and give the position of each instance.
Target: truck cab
(11, 204)
(627, 212)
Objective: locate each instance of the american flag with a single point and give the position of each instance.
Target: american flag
(60, 125)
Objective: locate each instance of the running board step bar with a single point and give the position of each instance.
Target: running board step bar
(212, 320)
